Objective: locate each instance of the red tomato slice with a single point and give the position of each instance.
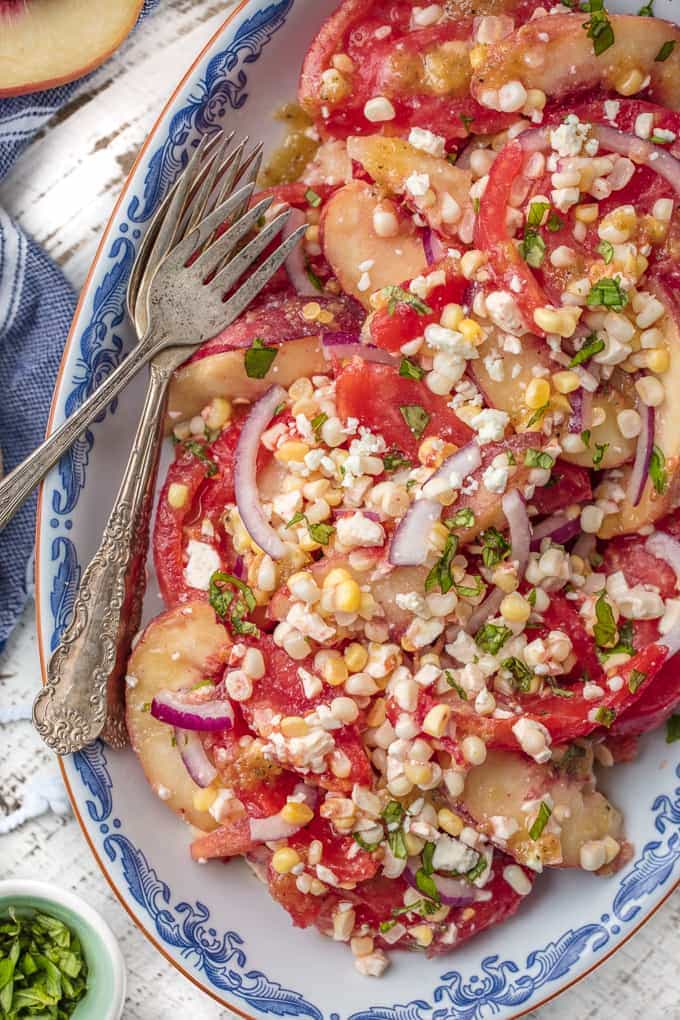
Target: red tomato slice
(630, 555)
(347, 861)
(391, 330)
(375, 393)
(571, 484)
(229, 840)
(658, 704)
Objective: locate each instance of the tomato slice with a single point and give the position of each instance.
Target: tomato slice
(569, 484)
(392, 329)
(658, 704)
(375, 395)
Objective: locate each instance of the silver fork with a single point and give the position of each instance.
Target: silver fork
(169, 299)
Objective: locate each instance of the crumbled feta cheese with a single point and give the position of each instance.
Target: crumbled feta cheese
(452, 855)
(495, 478)
(427, 141)
(417, 184)
(202, 562)
(490, 425)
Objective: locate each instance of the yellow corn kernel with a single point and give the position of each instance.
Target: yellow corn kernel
(301, 389)
(325, 317)
(285, 859)
(177, 495)
(536, 100)
(334, 670)
(423, 934)
(452, 315)
(414, 844)
(436, 720)
(292, 450)
(356, 657)
(203, 799)
(312, 234)
(377, 713)
(219, 413)
(361, 945)
(336, 576)
(334, 497)
(586, 213)
(307, 543)
(477, 56)
(296, 814)
(341, 62)
(334, 86)
(515, 608)
(629, 83)
(505, 578)
(450, 822)
(368, 606)
(311, 310)
(471, 330)
(439, 535)
(430, 659)
(537, 394)
(418, 772)
(347, 597)
(294, 726)
(562, 321)
(658, 361)
(558, 402)
(566, 382)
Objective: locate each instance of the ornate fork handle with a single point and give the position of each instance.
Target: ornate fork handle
(84, 673)
(17, 486)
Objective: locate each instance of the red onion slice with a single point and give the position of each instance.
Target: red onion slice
(169, 707)
(196, 761)
(666, 548)
(485, 610)
(643, 455)
(463, 462)
(454, 892)
(556, 527)
(410, 542)
(245, 473)
(332, 346)
(517, 517)
(640, 151)
(432, 246)
(582, 411)
(295, 263)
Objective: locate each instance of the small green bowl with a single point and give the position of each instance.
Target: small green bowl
(107, 979)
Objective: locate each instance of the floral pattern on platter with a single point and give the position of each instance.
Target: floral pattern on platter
(499, 987)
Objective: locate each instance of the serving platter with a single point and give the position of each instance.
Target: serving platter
(215, 923)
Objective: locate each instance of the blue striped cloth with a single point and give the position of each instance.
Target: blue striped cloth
(36, 308)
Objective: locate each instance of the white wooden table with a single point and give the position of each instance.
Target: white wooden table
(62, 191)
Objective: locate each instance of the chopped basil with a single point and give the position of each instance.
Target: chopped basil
(427, 855)
(592, 346)
(538, 459)
(531, 598)
(466, 121)
(660, 140)
(607, 293)
(537, 211)
(657, 470)
(477, 869)
(665, 51)
(368, 847)
(532, 248)
(394, 460)
(422, 907)
(239, 603)
(673, 729)
(464, 518)
(636, 678)
(409, 370)
(386, 926)
(297, 518)
(647, 11)
(491, 637)
(541, 820)
(460, 691)
(476, 205)
(321, 533)
(606, 250)
(258, 359)
(318, 422)
(393, 813)
(554, 223)
(600, 450)
(278, 409)
(495, 547)
(599, 26)
(441, 572)
(427, 885)
(570, 760)
(467, 592)
(398, 296)
(397, 845)
(624, 644)
(315, 280)
(43, 970)
(312, 198)
(604, 630)
(559, 692)
(537, 415)
(605, 716)
(451, 158)
(416, 417)
(585, 437)
(521, 674)
(197, 450)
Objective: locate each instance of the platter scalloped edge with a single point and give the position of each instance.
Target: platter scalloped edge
(501, 975)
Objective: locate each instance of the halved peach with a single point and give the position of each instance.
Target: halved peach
(49, 42)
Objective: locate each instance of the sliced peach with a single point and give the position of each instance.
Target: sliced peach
(350, 242)
(555, 55)
(617, 449)
(499, 788)
(49, 42)
(392, 161)
(176, 650)
(224, 375)
(330, 166)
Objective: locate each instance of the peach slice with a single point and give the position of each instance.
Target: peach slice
(350, 243)
(49, 42)
(554, 54)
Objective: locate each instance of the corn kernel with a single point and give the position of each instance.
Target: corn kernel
(423, 934)
(348, 597)
(471, 330)
(566, 382)
(515, 608)
(562, 321)
(203, 799)
(537, 394)
(658, 360)
(356, 657)
(414, 844)
(377, 713)
(439, 535)
(284, 860)
(436, 720)
(334, 670)
(361, 945)
(219, 413)
(430, 659)
(294, 726)
(450, 822)
(177, 495)
(629, 83)
(336, 576)
(452, 316)
(292, 450)
(296, 814)
(477, 56)
(417, 772)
